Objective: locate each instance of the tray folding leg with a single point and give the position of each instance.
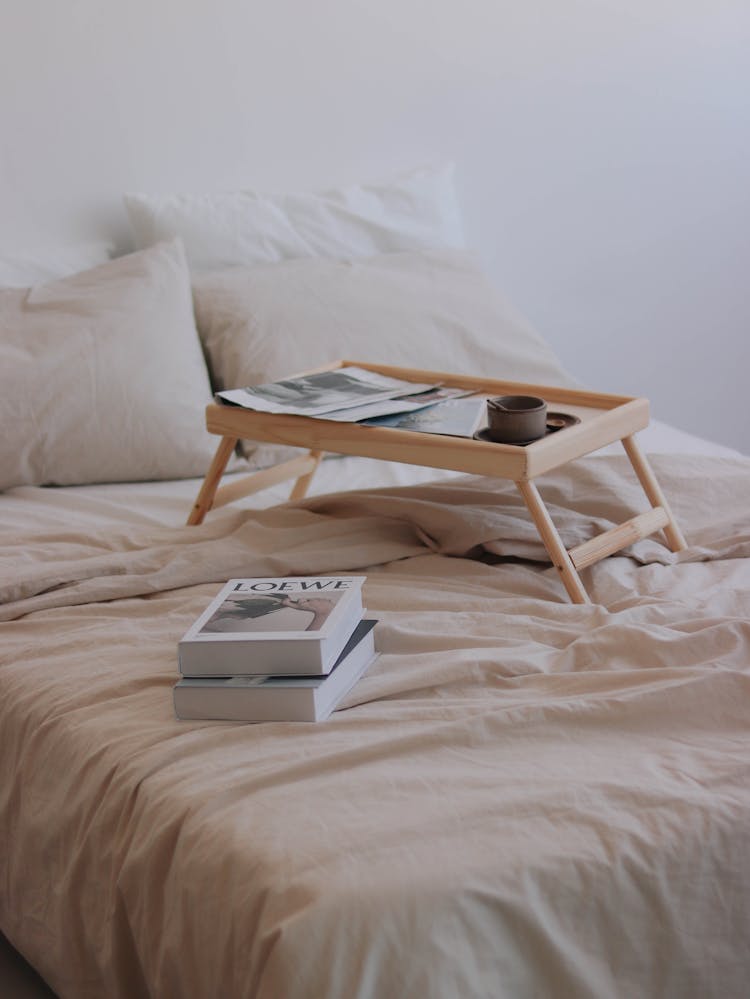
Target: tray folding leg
(569, 562)
(300, 487)
(210, 496)
(205, 499)
(552, 542)
(652, 489)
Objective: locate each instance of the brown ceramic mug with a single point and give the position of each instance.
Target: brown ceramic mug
(515, 419)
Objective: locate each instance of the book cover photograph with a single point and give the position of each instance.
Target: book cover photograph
(243, 611)
(283, 625)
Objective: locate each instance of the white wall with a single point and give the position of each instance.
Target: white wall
(602, 148)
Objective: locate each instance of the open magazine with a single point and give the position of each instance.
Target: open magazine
(454, 417)
(348, 395)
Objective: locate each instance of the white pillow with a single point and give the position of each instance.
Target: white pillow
(413, 212)
(21, 269)
(102, 377)
(433, 310)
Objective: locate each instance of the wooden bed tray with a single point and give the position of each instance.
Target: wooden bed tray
(603, 420)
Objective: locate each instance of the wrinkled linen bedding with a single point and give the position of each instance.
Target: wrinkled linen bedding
(522, 797)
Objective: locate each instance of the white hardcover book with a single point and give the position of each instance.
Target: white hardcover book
(294, 625)
(277, 698)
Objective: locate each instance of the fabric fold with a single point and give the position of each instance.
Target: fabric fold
(469, 517)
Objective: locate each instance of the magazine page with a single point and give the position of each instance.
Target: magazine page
(395, 407)
(322, 392)
(453, 417)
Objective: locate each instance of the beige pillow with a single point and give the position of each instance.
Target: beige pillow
(433, 309)
(102, 377)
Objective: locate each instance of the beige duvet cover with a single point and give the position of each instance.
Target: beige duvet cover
(522, 797)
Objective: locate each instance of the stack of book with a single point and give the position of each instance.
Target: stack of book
(275, 649)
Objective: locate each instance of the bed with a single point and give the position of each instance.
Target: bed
(522, 797)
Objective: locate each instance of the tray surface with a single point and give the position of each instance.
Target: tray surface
(593, 420)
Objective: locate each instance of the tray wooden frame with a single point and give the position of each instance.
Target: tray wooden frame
(604, 419)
